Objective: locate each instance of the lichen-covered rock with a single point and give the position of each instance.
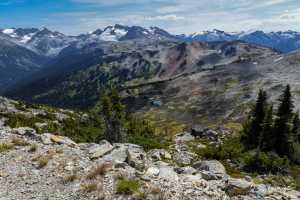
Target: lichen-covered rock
(48, 138)
(136, 157)
(159, 154)
(238, 187)
(182, 154)
(62, 140)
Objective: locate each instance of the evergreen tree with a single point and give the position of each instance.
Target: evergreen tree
(282, 125)
(295, 129)
(113, 114)
(254, 130)
(267, 139)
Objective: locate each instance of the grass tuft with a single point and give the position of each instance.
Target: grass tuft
(6, 147)
(127, 186)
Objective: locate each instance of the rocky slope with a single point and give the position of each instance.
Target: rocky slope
(49, 166)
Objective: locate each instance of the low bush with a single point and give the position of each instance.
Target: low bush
(70, 178)
(231, 149)
(100, 170)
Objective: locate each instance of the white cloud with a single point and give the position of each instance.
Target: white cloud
(171, 17)
(187, 16)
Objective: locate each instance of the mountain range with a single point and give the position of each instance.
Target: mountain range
(204, 74)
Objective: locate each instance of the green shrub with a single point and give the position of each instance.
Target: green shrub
(231, 149)
(266, 163)
(142, 132)
(127, 186)
(149, 142)
(16, 120)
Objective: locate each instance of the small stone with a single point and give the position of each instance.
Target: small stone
(248, 178)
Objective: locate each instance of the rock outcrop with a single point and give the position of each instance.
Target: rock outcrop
(51, 166)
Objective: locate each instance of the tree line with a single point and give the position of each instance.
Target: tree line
(273, 130)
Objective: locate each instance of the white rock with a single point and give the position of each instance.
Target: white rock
(152, 171)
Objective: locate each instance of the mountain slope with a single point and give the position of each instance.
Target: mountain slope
(16, 62)
(189, 82)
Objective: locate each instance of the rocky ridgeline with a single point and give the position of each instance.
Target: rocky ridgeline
(48, 166)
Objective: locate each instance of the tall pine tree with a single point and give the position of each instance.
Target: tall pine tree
(267, 138)
(282, 126)
(113, 113)
(254, 130)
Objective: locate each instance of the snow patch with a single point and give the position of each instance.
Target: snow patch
(26, 38)
(278, 59)
(8, 31)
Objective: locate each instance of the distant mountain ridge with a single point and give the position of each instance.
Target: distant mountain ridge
(284, 41)
(50, 43)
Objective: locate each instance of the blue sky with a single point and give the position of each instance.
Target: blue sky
(176, 16)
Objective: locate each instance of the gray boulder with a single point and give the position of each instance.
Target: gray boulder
(26, 132)
(97, 150)
(212, 166)
(118, 154)
(199, 131)
(185, 170)
(46, 138)
(168, 173)
(184, 137)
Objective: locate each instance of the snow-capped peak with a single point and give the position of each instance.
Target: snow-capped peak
(113, 33)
